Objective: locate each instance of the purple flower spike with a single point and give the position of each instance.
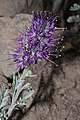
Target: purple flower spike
(37, 43)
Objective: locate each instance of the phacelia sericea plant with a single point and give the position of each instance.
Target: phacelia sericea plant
(11, 98)
(37, 42)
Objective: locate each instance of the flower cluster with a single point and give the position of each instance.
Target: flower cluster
(37, 42)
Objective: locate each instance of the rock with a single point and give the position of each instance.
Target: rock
(9, 28)
(74, 112)
(12, 7)
(57, 90)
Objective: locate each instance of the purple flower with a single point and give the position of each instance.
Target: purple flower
(37, 43)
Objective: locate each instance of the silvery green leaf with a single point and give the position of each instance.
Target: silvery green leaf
(14, 81)
(26, 86)
(74, 19)
(18, 86)
(30, 74)
(5, 98)
(17, 108)
(2, 115)
(26, 97)
(75, 7)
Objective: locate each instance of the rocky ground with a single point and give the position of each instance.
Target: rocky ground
(57, 89)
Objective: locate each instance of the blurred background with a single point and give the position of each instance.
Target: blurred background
(12, 7)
